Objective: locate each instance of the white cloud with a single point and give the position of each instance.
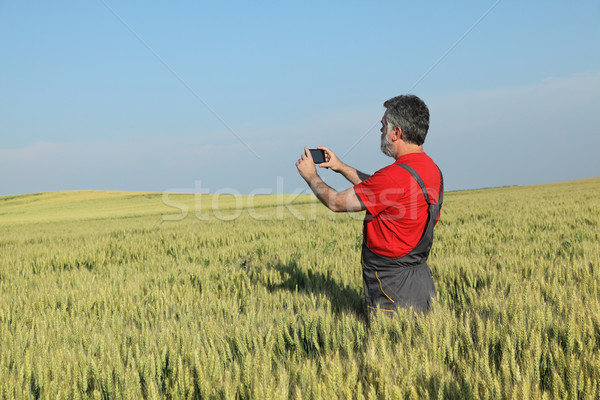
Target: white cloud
(28, 153)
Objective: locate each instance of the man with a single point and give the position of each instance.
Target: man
(402, 200)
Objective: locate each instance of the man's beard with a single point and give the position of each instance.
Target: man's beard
(387, 147)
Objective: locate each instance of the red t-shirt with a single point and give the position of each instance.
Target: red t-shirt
(396, 207)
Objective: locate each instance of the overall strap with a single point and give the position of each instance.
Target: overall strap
(422, 185)
(441, 192)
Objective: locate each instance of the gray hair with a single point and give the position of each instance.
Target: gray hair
(411, 115)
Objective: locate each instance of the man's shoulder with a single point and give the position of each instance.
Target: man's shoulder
(388, 172)
(390, 175)
(396, 175)
(388, 169)
(416, 159)
(427, 170)
(421, 163)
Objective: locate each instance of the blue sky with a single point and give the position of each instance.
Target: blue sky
(146, 95)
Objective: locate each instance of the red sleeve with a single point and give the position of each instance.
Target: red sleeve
(376, 192)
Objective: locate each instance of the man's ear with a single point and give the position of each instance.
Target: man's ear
(396, 134)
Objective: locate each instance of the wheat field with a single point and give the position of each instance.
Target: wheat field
(122, 295)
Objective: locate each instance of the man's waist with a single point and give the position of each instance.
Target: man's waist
(379, 262)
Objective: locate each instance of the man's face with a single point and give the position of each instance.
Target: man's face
(387, 147)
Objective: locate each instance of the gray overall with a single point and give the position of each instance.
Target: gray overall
(405, 281)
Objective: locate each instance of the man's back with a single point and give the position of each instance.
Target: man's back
(396, 207)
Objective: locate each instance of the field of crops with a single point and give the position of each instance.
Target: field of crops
(123, 295)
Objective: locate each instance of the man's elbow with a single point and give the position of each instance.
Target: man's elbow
(332, 203)
(336, 208)
(340, 204)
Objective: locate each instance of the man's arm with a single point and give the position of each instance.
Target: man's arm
(333, 162)
(352, 174)
(346, 201)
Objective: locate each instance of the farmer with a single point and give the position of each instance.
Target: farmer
(403, 202)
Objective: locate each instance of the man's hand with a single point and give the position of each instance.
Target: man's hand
(306, 166)
(331, 160)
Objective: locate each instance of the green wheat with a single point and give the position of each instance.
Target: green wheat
(100, 297)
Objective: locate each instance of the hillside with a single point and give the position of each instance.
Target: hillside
(90, 205)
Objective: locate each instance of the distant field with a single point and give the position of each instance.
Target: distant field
(134, 295)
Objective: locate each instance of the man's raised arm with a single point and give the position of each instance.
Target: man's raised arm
(333, 162)
(346, 201)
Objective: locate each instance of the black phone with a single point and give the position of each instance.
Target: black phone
(318, 155)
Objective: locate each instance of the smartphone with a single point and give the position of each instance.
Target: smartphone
(317, 155)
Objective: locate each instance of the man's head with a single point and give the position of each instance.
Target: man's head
(411, 115)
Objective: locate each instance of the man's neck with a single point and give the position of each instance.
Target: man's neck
(408, 149)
